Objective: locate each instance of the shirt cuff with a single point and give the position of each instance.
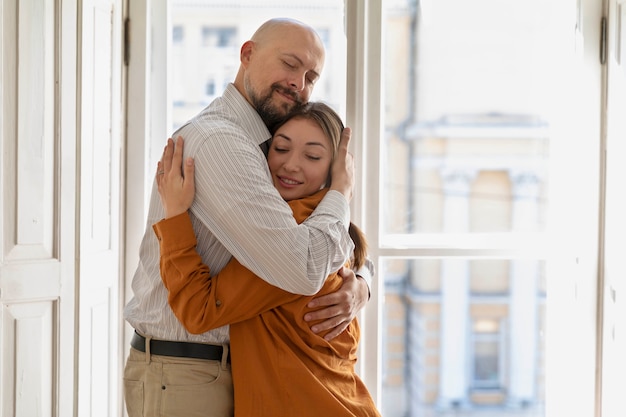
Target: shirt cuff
(335, 204)
(367, 273)
(175, 233)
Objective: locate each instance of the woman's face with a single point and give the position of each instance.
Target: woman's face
(299, 158)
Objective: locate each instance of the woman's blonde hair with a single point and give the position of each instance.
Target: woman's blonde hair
(329, 121)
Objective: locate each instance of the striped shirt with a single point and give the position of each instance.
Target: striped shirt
(238, 212)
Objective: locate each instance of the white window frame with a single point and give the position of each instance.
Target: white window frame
(364, 116)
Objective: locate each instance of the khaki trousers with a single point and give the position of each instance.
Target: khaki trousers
(165, 386)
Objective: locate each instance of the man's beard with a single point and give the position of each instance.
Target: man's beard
(270, 113)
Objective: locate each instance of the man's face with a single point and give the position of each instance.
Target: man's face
(281, 73)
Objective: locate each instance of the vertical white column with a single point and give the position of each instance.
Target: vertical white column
(454, 297)
(523, 297)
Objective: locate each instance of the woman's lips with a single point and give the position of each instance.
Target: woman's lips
(288, 182)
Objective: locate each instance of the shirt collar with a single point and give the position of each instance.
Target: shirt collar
(247, 115)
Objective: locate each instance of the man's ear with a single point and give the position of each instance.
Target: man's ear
(246, 52)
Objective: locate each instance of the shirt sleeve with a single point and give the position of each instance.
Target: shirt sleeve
(366, 272)
(199, 301)
(236, 200)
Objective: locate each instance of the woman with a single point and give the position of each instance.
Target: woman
(280, 367)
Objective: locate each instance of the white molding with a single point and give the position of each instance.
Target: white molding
(364, 116)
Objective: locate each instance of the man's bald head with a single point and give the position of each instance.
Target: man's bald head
(279, 27)
(279, 66)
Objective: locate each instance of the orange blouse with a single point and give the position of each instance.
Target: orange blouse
(280, 367)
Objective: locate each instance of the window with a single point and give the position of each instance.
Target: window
(464, 162)
(178, 34)
(221, 29)
(210, 88)
(219, 37)
(486, 369)
(463, 169)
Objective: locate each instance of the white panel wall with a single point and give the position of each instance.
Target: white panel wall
(31, 255)
(61, 136)
(100, 154)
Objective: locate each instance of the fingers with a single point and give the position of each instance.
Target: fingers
(172, 156)
(346, 274)
(177, 158)
(175, 180)
(189, 168)
(336, 321)
(344, 141)
(336, 314)
(336, 331)
(159, 173)
(335, 327)
(344, 144)
(336, 310)
(330, 307)
(328, 300)
(343, 167)
(188, 174)
(166, 159)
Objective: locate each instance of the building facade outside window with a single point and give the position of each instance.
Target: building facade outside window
(464, 162)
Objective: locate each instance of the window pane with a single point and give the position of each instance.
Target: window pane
(466, 119)
(206, 59)
(486, 372)
(463, 336)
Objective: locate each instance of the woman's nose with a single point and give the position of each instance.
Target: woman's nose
(291, 164)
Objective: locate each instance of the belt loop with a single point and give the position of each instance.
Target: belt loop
(225, 354)
(147, 348)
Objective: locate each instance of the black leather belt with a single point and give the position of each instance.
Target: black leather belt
(179, 349)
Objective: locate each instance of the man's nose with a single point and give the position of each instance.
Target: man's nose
(298, 82)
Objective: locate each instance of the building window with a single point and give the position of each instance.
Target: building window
(178, 34)
(219, 37)
(486, 369)
(210, 88)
